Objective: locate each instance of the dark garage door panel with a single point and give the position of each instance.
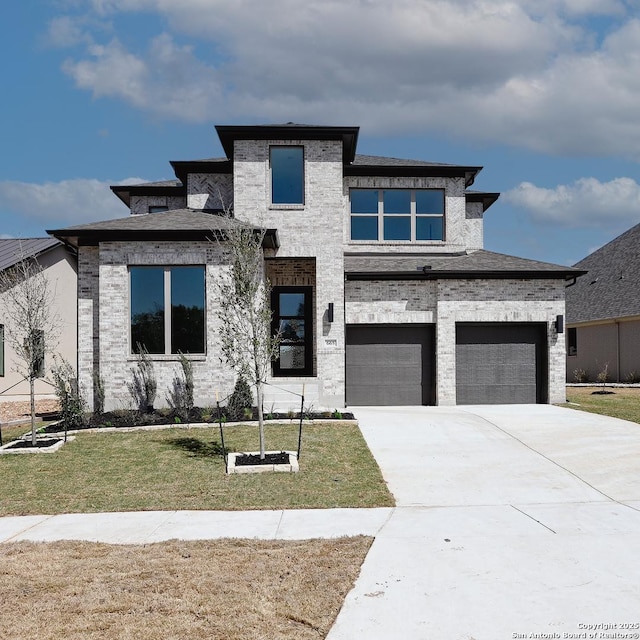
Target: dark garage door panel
(389, 365)
(499, 364)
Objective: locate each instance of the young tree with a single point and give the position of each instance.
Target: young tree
(32, 323)
(247, 343)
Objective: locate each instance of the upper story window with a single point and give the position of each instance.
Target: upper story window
(287, 175)
(167, 309)
(397, 214)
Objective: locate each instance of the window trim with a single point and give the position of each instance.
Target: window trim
(412, 214)
(307, 370)
(287, 205)
(168, 319)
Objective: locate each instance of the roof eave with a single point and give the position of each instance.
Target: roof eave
(182, 168)
(228, 134)
(486, 198)
(91, 237)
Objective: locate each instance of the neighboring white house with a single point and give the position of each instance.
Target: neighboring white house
(380, 283)
(60, 268)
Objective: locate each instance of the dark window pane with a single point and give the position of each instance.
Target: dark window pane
(397, 228)
(187, 310)
(364, 227)
(292, 321)
(292, 330)
(397, 200)
(147, 309)
(287, 175)
(430, 201)
(292, 305)
(364, 201)
(429, 228)
(292, 357)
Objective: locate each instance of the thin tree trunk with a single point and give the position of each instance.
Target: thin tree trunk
(259, 394)
(33, 411)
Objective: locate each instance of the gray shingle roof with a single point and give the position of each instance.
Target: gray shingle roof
(382, 161)
(173, 220)
(479, 263)
(174, 224)
(14, 249)
(611, 289)
(159, 183)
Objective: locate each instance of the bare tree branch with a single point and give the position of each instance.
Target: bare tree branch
(32, 325)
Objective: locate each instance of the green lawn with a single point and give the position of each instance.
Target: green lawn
(177, 468)
(619, 403)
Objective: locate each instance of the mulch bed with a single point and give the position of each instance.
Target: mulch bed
(28, 444)
(281, 457)
(123, 418)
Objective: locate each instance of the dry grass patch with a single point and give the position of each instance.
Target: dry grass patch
(224, 589)
(177, 468)
(623, 403)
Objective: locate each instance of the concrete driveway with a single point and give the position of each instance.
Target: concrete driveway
(517, 521)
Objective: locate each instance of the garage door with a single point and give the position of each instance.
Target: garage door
(390, 365)
(500, 363)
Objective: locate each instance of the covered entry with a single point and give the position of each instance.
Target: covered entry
(390, 364)
(501, 363)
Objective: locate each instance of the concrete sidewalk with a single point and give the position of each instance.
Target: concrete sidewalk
(145, 527)
(511, 521)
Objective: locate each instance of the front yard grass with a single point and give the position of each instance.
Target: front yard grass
(232, 589)
(182, 468)
(623, 403)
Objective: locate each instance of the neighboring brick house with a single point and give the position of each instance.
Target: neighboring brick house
(59, 265)
(603, 312)
(377, 271)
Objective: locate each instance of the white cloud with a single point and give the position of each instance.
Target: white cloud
(67, 31)
(68, 202)
(169, 81)
(535, 73)
(587, 202)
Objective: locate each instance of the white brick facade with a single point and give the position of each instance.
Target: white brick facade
(314, 237)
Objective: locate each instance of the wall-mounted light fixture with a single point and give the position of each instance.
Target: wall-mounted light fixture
(330, 312)
(560, 324)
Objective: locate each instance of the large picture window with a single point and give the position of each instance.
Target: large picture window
(167, 309)
(397, 214)
(293, 319)
(287, 175)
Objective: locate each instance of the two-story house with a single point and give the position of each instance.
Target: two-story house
(377, 268)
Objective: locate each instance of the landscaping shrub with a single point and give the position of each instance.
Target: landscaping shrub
(72, 405)
(144, 386)
(240, 399)
(180, 396)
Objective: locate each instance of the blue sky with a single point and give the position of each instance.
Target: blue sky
(545, 94)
